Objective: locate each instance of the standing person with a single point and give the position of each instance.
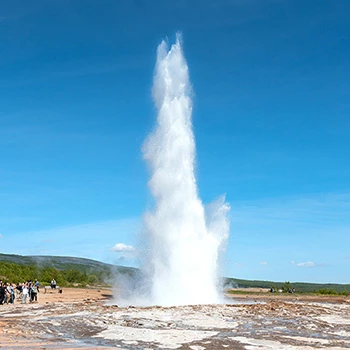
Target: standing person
(24, 293)
(53, 284)
(12, 294)
(30, 290)
(33, 293)
(19, 290)
(7, 293)
(2, 293)
(36, 283)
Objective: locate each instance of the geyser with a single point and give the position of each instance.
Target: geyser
(184, 236)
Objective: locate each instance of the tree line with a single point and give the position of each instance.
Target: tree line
(300, 287)
(69, 276)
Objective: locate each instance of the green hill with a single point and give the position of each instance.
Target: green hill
(71, 270)
(66, 270)
(300, 287)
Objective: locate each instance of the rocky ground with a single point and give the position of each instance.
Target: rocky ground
(81, 319)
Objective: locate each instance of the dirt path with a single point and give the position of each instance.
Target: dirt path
(72, 294)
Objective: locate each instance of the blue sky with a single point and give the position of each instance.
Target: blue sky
(271, 119)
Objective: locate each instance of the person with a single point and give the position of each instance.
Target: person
(19, 290)
(33, 293)
(2, 292)
(53, 284)
(7, 290)
(12, 293)
(24, 293)
(36, 283)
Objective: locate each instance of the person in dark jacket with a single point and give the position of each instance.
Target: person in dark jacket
(2, 293)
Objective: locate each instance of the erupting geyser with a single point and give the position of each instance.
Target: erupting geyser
(184, 236)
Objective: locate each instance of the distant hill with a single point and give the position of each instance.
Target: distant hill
(68, 270)
(300, 287)
(64, 262)
(82, 270)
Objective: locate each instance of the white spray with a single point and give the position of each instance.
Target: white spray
(185, 237)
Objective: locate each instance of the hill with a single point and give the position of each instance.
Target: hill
(72, 270)
(64, 262)
(66, 270)
(300, 287)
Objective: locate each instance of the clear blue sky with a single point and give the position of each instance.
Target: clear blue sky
(271, 119)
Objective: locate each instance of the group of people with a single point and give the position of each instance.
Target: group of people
(9, 292)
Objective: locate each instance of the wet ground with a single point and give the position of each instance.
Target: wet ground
(266, 324)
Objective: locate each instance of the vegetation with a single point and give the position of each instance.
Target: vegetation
(66, 271)
(287, 287)
(325, 291)
(71, 271)
(11, 272)
(300, 287)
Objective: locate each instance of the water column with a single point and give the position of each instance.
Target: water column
(184, 236)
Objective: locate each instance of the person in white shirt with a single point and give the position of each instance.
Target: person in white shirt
(24, 293)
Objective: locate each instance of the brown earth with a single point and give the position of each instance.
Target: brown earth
(259, 294)
(73, 294)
